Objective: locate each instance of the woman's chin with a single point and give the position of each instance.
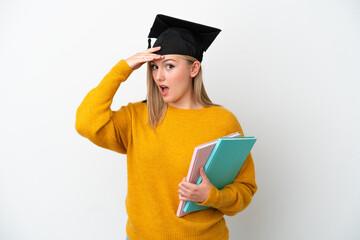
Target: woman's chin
(167, 100)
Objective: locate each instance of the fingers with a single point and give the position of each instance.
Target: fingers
(140, 58)
(152, 57)
(149, 55)
(151, 50)
(185, 187)
(183, 193)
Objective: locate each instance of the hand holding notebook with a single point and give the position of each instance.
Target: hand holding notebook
(210, 151)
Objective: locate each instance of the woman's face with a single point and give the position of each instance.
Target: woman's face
(173, 77)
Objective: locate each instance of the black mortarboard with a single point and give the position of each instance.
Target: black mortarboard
(177, 36)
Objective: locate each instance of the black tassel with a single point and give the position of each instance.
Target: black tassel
(149, 43)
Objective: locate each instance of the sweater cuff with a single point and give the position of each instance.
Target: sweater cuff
(212, 198)
(122, 68)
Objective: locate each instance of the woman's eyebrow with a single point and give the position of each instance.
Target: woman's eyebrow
(152, 62)
(169, 60)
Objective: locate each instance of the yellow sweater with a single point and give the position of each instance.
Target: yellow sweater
(158, 161)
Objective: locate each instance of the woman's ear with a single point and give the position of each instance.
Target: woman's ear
(195, 68)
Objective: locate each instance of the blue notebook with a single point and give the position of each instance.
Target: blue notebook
(224, 164)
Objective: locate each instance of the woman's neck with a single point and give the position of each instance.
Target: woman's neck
(190, 105)
(187, 103)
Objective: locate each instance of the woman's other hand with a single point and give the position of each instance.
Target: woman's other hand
(140, 58)
(196, 193)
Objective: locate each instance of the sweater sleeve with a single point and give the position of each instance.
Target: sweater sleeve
(96, 121)
(235, 197)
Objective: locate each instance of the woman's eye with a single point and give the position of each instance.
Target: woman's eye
(169, 66)
(154, 67)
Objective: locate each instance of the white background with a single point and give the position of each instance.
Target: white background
(289, 70)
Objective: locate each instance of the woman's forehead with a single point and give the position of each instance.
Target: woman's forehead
(168, 58)
(172, 56)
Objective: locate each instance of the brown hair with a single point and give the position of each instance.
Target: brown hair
(156, 107)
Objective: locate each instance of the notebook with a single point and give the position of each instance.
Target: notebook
(199, 158)
(224, 164)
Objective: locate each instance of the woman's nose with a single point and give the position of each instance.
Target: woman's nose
(159, 75)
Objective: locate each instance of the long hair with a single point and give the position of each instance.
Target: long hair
(156, 107)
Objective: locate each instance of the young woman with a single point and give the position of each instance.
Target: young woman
(159, 135)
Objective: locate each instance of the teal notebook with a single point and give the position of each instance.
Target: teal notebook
(224, 164)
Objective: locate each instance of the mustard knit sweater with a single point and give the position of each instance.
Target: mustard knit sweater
(158, 161)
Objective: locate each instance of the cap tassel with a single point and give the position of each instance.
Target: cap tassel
(149, 43)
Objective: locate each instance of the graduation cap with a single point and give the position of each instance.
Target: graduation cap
(177, 36)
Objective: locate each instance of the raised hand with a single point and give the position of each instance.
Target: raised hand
(137, 60)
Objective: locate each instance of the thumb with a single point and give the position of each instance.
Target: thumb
(203, 174)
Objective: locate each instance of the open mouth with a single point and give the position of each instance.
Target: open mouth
(164, 89)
